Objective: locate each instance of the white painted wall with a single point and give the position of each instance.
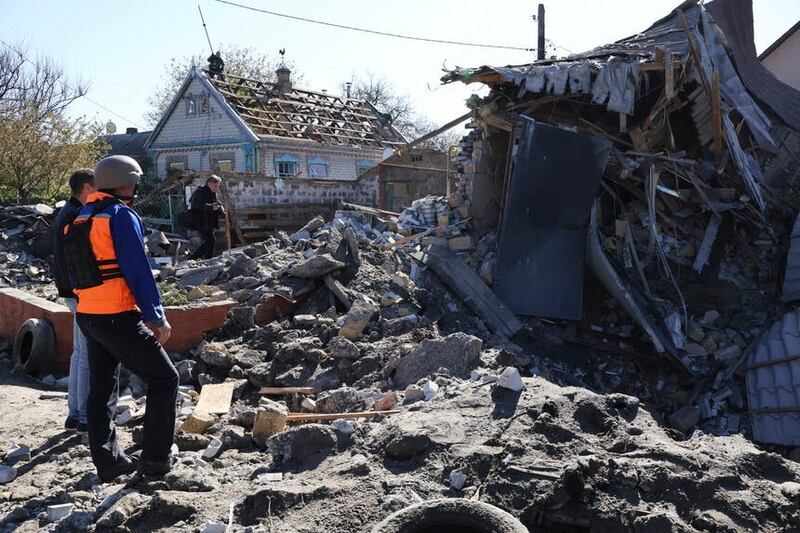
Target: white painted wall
(180, 127)
(784, 62)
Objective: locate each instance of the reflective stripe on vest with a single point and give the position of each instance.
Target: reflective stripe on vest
(114, 295)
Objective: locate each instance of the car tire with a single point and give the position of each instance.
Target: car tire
(450, 515)
(33, 346)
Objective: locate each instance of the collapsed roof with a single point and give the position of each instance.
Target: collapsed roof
(303, 114)
(695, 138)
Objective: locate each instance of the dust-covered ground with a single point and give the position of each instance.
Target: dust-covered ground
(559, 458)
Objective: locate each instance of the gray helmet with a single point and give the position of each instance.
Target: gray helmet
(116, 171)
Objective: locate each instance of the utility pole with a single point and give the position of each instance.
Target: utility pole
(540, 47)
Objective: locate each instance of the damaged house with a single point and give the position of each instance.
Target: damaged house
(277, 145)
(665, 164)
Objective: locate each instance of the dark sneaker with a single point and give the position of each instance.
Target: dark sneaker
(82, 428)
(71, 424)
(124, 465)
(154, 468)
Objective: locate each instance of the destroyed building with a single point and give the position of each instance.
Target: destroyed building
(278, 144)
(379, 371)
(663, 163)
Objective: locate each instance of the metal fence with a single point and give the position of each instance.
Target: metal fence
(160, 204)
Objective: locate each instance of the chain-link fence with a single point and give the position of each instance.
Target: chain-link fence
(161, 202)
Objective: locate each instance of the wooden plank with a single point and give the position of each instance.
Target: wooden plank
(310, 417)
(639, 140)
(716, 112)
(472, 289)
(215, 399)
(230, 216)
(277, 391)
(669, 76)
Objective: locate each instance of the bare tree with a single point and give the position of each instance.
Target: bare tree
(39, 144)
(382, 94)
(246, 62)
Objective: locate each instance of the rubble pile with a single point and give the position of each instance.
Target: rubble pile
(25, 243)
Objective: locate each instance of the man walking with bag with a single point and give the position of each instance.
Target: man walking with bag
(120, 312)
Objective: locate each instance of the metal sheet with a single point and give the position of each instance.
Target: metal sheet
(554, 181)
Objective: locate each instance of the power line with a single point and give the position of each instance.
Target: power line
(374, 32)
(98, 104)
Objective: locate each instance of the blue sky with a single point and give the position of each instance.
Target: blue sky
(121, 47)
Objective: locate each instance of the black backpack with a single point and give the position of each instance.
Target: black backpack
(188, 220)
(82, 264)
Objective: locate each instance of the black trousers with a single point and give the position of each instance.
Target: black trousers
(124, 339)
(209, 246)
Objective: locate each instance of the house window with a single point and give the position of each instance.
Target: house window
(176, 163)
(416, 158)
(191, 104)
(286, 166)
(318, 167)
(222, 162)
(363, 166)
(204, 103)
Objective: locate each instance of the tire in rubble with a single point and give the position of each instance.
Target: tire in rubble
(450, 515)
(33, 346)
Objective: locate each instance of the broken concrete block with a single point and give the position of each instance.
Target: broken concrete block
(357, 318)
(710, 317)
(7, 474)
(386, 403)
(458, 479)
(300, 443)
(460, 244)
(305, 321)
(198, 423)
(457, 353)
(389, 298)
(728, 354)
(192, 277)
(429, 390)
(58, 512)
(316, 267)
(270, 419)
(413, 393)
(402, 280)
(17, 453)
(510, 379)
(213, 527)
(345, 427)
(309, 404)
(685, 418)
(216, 354)
(213, 449)
(342, 348)
(244, 316)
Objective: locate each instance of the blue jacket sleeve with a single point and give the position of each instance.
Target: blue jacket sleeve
(128, 234)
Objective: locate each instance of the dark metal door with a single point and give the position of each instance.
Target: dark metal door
(554, 180)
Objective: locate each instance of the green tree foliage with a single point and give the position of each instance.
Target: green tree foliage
(40, 145)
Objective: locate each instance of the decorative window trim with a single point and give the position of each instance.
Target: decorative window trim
(318, 167)
(363, 165)
(287, 159)
(191, 105)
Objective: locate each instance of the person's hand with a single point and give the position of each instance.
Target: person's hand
(163, 332)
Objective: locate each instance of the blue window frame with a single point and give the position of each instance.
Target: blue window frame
(286, 166)
(363, 165)
(318, 167)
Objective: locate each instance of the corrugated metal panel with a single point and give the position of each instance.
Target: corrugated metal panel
(735, 18)
(773, 383)
(791, 277)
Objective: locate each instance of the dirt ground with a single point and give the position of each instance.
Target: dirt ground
(559, 458)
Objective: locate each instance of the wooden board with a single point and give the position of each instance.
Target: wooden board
(310, 417)
(286, 390)
(472, 289)
(215, 399)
